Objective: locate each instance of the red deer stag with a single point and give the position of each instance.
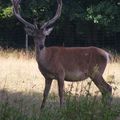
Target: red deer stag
(62, 63)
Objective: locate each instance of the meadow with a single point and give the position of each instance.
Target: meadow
(22, 85)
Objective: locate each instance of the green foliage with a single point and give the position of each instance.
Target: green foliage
(79, 19)
(6, 12)
(103, 13)
(40, 9)
(5, 9)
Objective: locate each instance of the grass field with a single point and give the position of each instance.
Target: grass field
(21, 88)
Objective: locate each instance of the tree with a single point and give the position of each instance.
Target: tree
(97, 15)
(5, 9)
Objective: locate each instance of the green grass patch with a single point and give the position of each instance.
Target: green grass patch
(76, 108)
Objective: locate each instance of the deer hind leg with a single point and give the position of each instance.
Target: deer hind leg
(104, 88)
(46, 91)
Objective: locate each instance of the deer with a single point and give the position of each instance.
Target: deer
(65, 63)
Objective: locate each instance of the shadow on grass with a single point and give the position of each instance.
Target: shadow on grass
(27, 101)
(29, 104)
(35, 99)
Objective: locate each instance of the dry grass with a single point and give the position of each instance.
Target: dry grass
(19, 76)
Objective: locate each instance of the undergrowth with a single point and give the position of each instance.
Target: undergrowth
(77, 107)
(81, 109)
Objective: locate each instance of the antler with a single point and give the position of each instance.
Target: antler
(57, 15)
(31, 26)
(17, 14)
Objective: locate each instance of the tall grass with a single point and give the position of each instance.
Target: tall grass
(76, 108)
(21, 88)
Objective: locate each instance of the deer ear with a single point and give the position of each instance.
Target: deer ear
(47, 31)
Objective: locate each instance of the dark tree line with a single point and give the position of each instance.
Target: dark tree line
(83, 22)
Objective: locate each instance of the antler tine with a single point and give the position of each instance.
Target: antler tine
(16, 13)
(57, 15)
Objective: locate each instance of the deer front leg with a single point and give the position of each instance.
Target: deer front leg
(46, 91)
(61, 90)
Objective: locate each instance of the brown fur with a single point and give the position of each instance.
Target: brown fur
(63, 63)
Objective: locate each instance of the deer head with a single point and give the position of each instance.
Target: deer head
(39, 34)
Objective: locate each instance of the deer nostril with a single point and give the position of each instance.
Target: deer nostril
(41, 47)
